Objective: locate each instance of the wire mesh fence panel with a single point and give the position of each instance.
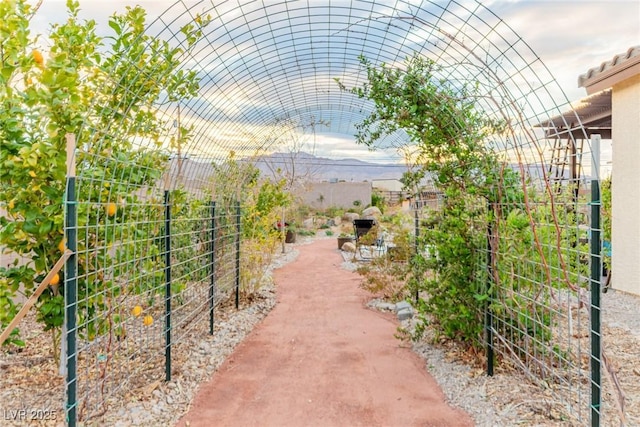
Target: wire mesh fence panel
(541, 298)
(531, 266)
(123, 258)
(120, 284)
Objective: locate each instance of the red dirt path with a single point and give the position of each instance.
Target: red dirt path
(322, 358)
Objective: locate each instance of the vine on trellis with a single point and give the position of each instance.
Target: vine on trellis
(482, 194)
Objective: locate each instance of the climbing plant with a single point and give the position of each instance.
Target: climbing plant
(442, 122)
(261, 202)
(605, 195)
(495, 243)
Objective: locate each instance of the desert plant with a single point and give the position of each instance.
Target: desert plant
(378, 201)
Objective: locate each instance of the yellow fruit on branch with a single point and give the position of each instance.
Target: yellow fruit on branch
(148, 320)
(37, 57)
(55, 280)
(111, 209)
(62, 246)
(136, 311)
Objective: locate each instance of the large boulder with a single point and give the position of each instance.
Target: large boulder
(308, 223)
(350, 216)
(371, 212)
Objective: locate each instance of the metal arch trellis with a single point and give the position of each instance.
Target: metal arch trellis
(261, 65)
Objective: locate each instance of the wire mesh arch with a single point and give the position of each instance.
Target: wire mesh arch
(266, 70)
(258, 63)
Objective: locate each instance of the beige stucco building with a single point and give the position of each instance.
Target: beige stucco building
(622, 76)
(322, 195)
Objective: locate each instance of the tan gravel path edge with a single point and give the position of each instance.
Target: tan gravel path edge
(322, 358)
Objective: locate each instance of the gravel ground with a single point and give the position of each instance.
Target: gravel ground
(621, 310)
(506, 399)
(509, 398)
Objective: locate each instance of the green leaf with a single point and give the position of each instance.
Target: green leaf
(31, 227)
(115, 26)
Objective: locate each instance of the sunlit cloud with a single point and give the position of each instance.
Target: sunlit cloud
(249, 44)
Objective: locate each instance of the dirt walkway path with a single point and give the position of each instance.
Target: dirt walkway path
(321, 358)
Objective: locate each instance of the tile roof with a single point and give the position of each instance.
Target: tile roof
(608, 68)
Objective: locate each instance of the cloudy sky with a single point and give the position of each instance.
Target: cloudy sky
(568, 36)
(573, 36)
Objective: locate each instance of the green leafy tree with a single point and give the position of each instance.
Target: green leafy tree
(107, 93)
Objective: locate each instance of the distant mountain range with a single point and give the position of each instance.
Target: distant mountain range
(317, 169)
(324, 169)
(301, 165)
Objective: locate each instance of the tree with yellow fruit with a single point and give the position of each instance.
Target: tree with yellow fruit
(79, 90)
(38, 58)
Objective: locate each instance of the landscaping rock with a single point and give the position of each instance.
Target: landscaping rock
(371, 212)
(385, 306)
(404, 314)
(403, 305)
(308, 223)
(349, 247)
(350, 216)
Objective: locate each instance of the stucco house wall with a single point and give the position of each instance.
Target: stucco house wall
(387, 184)
(625, 191)
(622, 75)
(322, 195)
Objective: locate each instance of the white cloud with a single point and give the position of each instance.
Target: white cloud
(569, 36)
(572, 36)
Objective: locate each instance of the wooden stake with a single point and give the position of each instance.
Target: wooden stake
(71, 154)
(34, 297)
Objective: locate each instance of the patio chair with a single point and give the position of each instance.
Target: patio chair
(371, 244)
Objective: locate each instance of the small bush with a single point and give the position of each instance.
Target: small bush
(333, 211)
(378, 201)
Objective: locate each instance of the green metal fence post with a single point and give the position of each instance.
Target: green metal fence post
(71, 301)
(238, 254)
(596, 268)
(71, 285)
(167, 287)
(488, 314)
(212, 265)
